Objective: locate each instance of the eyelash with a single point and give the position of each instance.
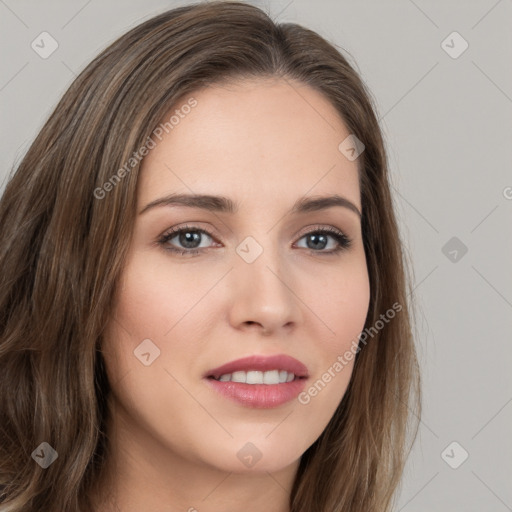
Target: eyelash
(344, 242)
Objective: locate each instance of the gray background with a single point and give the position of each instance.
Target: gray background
(448, 126)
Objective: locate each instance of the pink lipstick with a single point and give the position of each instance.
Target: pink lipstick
(259, 381)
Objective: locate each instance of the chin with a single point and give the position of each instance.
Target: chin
(257, 456)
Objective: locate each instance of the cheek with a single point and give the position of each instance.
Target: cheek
(147, 308)
(341, 300)
(150, 317)
(154, 296)
(343, 308)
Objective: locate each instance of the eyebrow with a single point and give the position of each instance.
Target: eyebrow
(224, 204)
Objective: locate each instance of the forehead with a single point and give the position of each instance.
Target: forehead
(271, 137)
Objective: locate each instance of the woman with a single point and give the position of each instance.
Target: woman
(203, 300)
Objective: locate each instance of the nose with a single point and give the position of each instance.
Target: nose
(263, 297)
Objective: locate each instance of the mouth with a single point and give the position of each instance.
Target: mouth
(268, 378)
(259, 381)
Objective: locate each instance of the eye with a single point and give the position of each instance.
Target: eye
(190, 238)
(319, 238)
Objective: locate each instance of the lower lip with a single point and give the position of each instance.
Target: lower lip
(259, 396)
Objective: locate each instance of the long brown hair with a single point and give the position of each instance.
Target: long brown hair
(62, 249)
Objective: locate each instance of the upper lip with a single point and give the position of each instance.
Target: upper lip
(262, 364)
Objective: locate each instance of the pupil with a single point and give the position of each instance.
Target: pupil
(315, 239)
(187, 238)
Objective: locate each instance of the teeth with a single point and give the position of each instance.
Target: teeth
(256, 377)
(271, 377)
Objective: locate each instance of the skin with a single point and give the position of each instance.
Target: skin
(264, 144)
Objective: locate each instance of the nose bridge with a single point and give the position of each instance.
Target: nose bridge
(262, 291)
(259, 264)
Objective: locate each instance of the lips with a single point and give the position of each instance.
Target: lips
(281, 363)
(258, 381)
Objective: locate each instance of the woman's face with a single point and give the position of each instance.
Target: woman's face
(257, 282)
